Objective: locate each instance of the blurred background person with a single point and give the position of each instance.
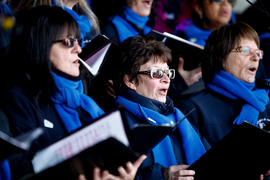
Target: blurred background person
(84, 16)
(206, 16)
(130, 19)
(166, 14)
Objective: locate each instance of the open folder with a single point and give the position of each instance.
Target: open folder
(191, 53)
(10, 145)
(108, 143)
(94, 54)
(242, 154)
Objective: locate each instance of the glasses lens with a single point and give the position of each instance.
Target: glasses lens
(157, 73)
(245, 50)
(171, 73)
(259, 53)
(79, 41)
(68, 42)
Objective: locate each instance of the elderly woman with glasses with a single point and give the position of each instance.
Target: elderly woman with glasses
(142, 87)
(47, 88)
(231, 96)
(206, 16)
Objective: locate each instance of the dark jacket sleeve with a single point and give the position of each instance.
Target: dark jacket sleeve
(24, 116)
(149, 170)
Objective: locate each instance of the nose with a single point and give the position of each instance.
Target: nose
(165, 78)
(225, 2)
(255, 56)
(77, 47)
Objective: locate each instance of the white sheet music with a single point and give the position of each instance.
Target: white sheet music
(109, 126)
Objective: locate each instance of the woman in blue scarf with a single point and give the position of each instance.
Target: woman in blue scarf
(206, 16)
(47, 87)
(231, 96)
(131, 21)
(142, 85)
(84, 16)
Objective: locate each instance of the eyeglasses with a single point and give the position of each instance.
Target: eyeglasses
(249, 51)
(69, 42)
(229, 1)
(159, 73)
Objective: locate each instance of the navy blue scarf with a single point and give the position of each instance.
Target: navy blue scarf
(125, 29)
(231, 87)
(83, 22)
(68, 97)
(163, 152)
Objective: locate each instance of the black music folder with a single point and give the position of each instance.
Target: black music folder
(107, 143)
(10, 145)
(242, 154)
(95, 53)
(108, 154)
(191, 53)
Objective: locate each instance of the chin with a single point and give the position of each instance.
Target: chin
(75, 74)
(145, 13)
(163, 100)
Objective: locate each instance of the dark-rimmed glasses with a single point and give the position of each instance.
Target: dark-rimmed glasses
(69, 42)
(159, 73)
(249, 51)
(229, 1)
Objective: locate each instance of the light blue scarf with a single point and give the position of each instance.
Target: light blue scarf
(125, 29)
(231, 87)
(163, 152)
(68, 97)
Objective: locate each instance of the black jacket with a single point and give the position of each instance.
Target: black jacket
(215, 114)
(24, 114)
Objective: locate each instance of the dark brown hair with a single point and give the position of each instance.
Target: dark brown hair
(136, 51)
(219, 45)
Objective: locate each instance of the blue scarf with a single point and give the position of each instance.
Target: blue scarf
(5, 10)
(194, 34)
(163, 152)
(83, 22)
(68, 97)
(231, 87)
(125, 29)
(5, 173)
